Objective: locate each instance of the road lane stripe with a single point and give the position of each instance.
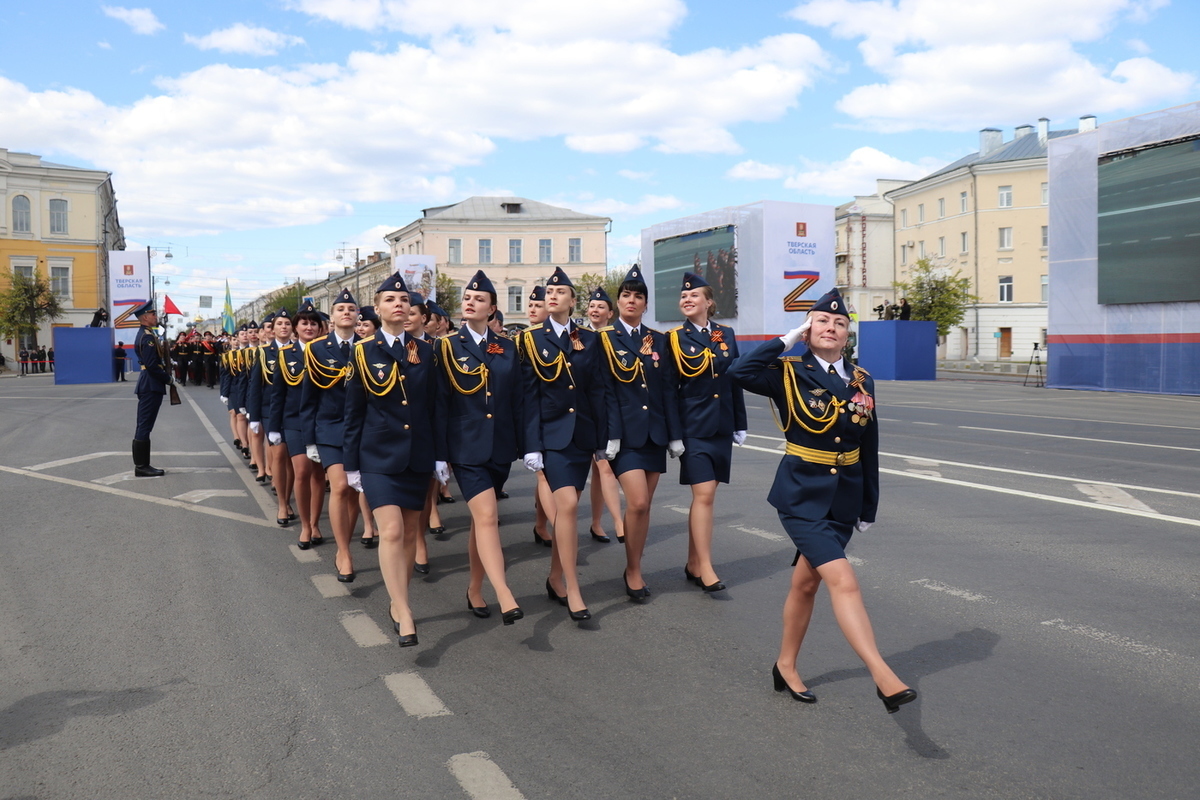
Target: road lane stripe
(768, 535)
(200, 495)
(414, 695)
(328, 585)
(129, 476)
(362, 629)
(1112, 496)
(308, 556)
(265, 504)
(989, 412)
(1107, 638)
(62, 462)
(481, 778)
(1083, 439)
(950, 590)
(682, 510)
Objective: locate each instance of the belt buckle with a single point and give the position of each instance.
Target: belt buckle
(840, 459)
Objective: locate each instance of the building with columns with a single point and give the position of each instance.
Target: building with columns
(864, 250)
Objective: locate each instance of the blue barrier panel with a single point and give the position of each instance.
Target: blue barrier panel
(83, 355)
(898, 350)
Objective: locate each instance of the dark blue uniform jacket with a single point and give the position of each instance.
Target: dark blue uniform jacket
(575, 406)
(646, 396)
(323, 410)
(710, 405)
(153, 378)
(486, 425)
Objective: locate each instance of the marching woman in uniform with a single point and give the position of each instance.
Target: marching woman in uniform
(713, 416)
(367, 325)
(605, 490)
(431, 521)
(481, 400)
(644, 383)
(567, 400)
(259, 338)
(389, 449)
(228, 362)
(827, 485)
(264, 379)
(543, 500)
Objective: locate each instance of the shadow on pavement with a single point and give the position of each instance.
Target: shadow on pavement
(47, 713)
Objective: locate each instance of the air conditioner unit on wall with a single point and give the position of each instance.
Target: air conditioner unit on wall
(910, 244)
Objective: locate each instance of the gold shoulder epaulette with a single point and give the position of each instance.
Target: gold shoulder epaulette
(648, 329)
(603, 329)
(791, 358)
(537, 327)
(858, 369)
(365, 339)
(676, 328)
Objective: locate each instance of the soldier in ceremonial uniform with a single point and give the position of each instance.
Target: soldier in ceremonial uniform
(416, 325)
(645, 385)
(827, 485)
(712, 411)
(366, 325)
(151, 386)
(535, 312)
(567, 405)
(264, 378)
(480, 394)
(605, 491)
(389, 449)
(210, 351)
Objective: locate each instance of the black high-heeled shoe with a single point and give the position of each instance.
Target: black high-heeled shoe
(316, 540)
(237, 444)
(599, 537)
(781, 684)
(301, 545)
(512, 615)
(421, 568)
(292, 517)
(369, 542)
(438, 532)
(579, 616)
(537, 539)
(283, 522)
(406, 639)
(553, 595)
(689, 577)
(636, 595)
(346, 577)
(715, 586)
(621, 539)
(893, 702)
(483, 612)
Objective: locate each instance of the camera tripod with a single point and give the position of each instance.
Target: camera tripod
(1035, 360)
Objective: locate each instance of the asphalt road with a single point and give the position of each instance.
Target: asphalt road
(1033, 574)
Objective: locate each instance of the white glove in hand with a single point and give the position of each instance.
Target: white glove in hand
(255, 427)
(224, 400)
(354, 478)
(739, 437)
(243, 412)
(614, 447)
(533, 462)
(313, 454)
(861, 526)
(791, 337)
(675, 448)
(442, 471)
(274, 437)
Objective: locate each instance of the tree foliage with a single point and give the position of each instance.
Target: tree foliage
(587, 284)
(936, 294)
(288, 296)
(25, 305)
(449, 296)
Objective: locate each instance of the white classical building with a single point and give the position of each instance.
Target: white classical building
(865, 256)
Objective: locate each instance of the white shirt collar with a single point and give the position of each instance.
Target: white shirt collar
(390, 339)
(839, 365)
(627, 326)
(479, 338)
(340, 341)
(558, 329)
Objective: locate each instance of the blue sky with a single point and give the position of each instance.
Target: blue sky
(254, 138)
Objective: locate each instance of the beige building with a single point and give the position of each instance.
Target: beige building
(987, 217)
(58, 222)
(864, 249)
(517, 242)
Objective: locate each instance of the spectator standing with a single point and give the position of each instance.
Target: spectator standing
(904, 310)
(119, 362)
(41, 358)
(50, 358)
(24, 358)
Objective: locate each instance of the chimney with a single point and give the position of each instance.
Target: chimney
(1043, 131)
(1022, 130)
(1087, 123)
(990, 140)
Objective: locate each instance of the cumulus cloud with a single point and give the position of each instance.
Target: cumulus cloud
(611, 207)
(955, 67)
(755, 171)
(140, 20)
(856, 174)
(632, 175)
(244, 39)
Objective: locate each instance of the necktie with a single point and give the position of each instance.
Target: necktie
(832, 371)
(346, 350)
(565, 338)
(704, 331)
(633, 333)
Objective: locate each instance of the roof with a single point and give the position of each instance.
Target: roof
(492, 208)
(1020, 148)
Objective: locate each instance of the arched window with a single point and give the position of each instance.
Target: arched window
(58, 216)
(21, 216)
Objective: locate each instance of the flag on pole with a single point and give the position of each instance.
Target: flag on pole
(227, 323)
(169, 307)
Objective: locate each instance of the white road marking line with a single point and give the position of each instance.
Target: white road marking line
(1108, 638)
(200, 495)
(328, 585)
(856, 561)
(1112, 496)
(920, 462)
(62, 462)
(414, 695)
(308, 556)
(930, 472)
(960, 593)
(481, 778)
(1083, 439)
(362, 629)
(61, 398)
(926, 423)
(264, 503)
(992, 413)
(682, 510)
(768, 535)
(109, 480)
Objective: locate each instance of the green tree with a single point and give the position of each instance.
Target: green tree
(25, 305)
(936, 294)
(288, 296)
(449, 296)
(587, 283)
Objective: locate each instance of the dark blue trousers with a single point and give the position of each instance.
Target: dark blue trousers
(148, 405)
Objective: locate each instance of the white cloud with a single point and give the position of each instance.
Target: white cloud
(856, 174)
(1138, 46)
(755, 171)
(104, 45)
(242, 38)
(631, 175)
(611, 207)
(947, 66)
(141, 20)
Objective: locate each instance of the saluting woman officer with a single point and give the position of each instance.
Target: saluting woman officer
(481, 400)
(644, 383)
(827, 485)
(391, 416)
(567, 400)
(712, 412)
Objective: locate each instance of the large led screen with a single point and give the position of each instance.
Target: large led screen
(711, 254)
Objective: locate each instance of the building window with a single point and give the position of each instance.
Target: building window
(1045, 236)
(22, 220)
(921, 249)
(941, 245)
(1045, 194)
(1005, 197)
(23, 269)
(516, 299)
(962, 237)
(485, 251)
(1045, 288)
(920, 212)
(455, 250)
(514, 251)
(1006, 238)
(575, 251)
(904, 218)
(903, 255)
(545, 251)
(962, 202)
(1006, 287)
(60, 281)
(58, 216)
(941, 207)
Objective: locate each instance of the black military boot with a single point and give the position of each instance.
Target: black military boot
(141, 460)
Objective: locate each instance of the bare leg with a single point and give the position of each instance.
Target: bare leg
(258, 453)
(639, 489)
(700, 531)
(543, 503)
(369, 528)
(485, 551)
(397, 544)
(342, 500)
(596, 498)
(279, 477)
(611, 490)
(797, 613)
(566, 544)
(852, 618)
(316, 495)
(424, 516)
(302, 470)
(233, 425)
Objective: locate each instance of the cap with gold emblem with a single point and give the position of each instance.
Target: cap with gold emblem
(481, 283)
(560, 278)
(393, 283)
(831, 302)
(693, 281)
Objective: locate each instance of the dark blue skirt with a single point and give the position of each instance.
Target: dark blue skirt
(294, 441)
(818, 540)
(405, 489)
(650, 458)
(475, 479)
(706, 460)
(567, 467)
(330, 455)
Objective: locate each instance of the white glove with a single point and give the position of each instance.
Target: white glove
(224, 400)
(243, 412)
(861, 526)
(274, 437)
(614, 447)
(791, 337)
(533, 462)
(354, 478)
(255, 427)
(441, 471)
(312, 453)
(675, 448)
(739, 437)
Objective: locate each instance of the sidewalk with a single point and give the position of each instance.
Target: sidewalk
(997, 371)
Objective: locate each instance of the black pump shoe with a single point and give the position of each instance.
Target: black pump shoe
(483, 612)
(421, 568)
(512, 615)
(893, 702)
(407, 639)
(553, 595)
(689, 577)
(636, 595)
(347, 577)
(369, 542)
(537, 539)
(579, 616)
(598, 537)
(781, 684)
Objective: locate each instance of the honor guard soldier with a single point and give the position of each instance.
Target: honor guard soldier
(826, 486)
(151, 386)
